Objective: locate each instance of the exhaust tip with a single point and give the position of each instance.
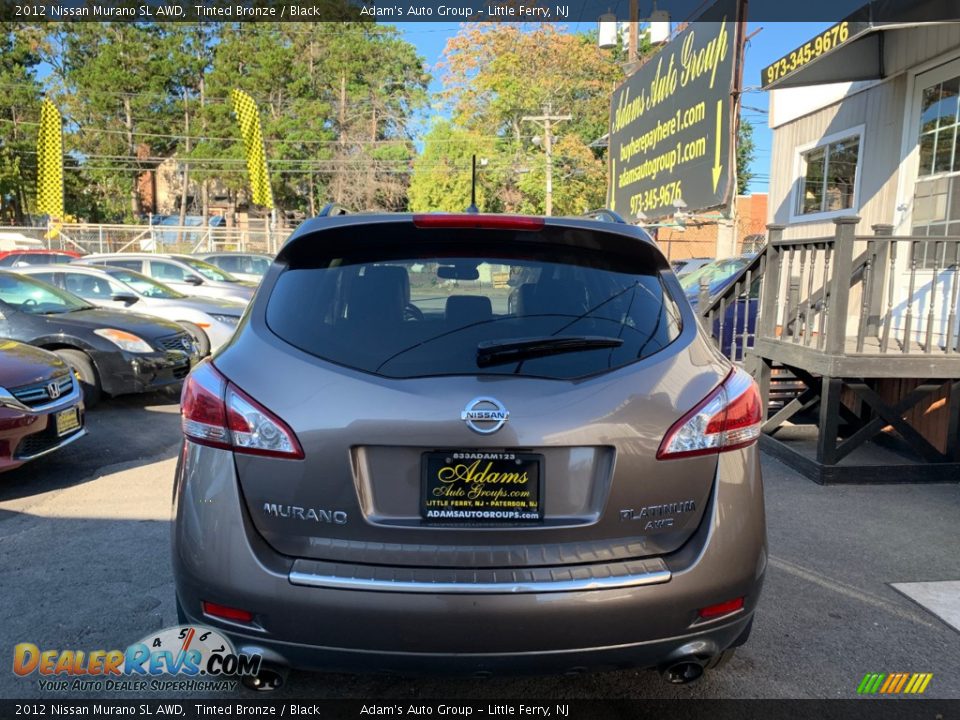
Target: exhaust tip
(267, 680)
(683, 672)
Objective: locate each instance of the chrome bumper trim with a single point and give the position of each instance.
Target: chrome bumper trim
(336, 582)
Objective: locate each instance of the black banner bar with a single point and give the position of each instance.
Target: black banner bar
(266, 706)
(400, 11)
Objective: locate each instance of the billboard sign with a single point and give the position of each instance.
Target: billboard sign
(670, 123)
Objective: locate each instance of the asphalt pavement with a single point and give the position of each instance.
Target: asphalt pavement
(85, 563)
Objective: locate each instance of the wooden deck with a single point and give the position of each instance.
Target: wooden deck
(871, 362)
(844, 322)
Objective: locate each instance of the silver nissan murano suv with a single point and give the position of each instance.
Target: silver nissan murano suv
(473, 444)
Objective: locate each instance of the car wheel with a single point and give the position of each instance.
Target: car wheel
(83, 366)
(199, 337)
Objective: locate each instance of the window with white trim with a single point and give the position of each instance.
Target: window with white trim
(828, 181)
(936, 197)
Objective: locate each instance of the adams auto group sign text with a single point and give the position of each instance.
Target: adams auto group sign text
(670, 123)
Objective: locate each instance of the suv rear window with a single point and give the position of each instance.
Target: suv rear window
(417, 312)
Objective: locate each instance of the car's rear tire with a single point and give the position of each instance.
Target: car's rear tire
(83, 366)
(199, 337)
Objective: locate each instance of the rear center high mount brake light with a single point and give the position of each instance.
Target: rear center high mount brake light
(217, 413)
(469, 221)
(728, 418)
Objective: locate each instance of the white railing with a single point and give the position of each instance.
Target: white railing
(108, 238)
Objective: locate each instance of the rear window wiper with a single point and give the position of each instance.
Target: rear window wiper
(501, 352)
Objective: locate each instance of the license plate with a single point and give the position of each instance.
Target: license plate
(479, 486)
(68, 421)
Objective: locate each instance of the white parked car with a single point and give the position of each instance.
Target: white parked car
(244, 265)
(210, 321)
(183, 273)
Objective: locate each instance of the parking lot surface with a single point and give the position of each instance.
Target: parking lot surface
(85, 564)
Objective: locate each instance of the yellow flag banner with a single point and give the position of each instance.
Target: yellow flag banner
(249, 119)
(50, 165)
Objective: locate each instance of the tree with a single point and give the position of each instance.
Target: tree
(442, 172)
(579, 180)
(19, 111)
(745, 155)
(495, 75)
(119, 97)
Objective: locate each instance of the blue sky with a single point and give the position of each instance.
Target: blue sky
(773, 40)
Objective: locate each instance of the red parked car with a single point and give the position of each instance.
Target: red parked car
(41, 405)
(19, 258)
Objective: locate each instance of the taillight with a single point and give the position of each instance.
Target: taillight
(728, 418)
(478, 221)
(217, 413)
(226, 612)
(203, 416)
(720, 609)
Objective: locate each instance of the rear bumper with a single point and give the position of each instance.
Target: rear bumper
(219, 557)
(123, 373)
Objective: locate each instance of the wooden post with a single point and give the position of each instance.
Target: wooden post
(770, 293)
(840, 284)
(763, 375)
(830, 389)
(879, 269)
(793, 308)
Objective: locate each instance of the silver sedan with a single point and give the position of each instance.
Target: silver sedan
(211, 321)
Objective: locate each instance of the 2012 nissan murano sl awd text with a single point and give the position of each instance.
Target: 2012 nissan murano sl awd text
(470, 443)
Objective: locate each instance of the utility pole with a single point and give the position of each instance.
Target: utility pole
(546, 122)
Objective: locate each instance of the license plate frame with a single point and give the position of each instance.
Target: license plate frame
(68, 421)
(474, 468)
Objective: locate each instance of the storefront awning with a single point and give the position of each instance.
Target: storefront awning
(852, 49)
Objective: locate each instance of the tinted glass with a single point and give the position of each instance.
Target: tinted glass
(142, 285)
(167, 271)
(424, 315)
(91, 287)
(37, 298)
(54, 259)
(229, 263)
(128, 264)
(211, 272)
(9, 260)
(717, 275)
(258, 265)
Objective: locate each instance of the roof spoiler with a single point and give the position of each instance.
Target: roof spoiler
(604, 215)
(332, 209)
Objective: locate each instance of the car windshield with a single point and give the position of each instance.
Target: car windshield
(561, 314)
(717, 274)
(37, 298)
(210, 272)
(142, 285)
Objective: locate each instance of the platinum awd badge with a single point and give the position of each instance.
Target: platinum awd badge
(658, 516)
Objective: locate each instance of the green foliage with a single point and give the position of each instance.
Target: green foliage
(442, 172)
(336, 102)
(745, 154)
(19, 93)
(495, 77)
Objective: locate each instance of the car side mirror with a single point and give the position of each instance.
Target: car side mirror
(193, 280)
(125, 298)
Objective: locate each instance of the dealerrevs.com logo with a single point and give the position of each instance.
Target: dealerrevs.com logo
(199, 658)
